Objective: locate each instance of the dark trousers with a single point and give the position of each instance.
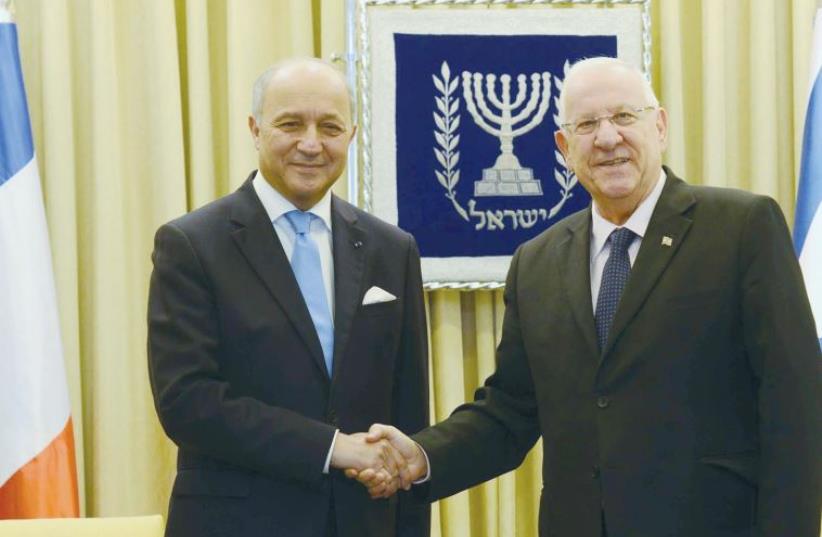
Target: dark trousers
(331, 526)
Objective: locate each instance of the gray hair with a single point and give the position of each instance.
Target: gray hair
(261, 84)
(599, 61)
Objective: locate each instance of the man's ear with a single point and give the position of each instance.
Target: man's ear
(255, 131)
(562, 144)
(662, 127)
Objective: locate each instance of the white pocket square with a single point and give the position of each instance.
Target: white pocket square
(375, 295)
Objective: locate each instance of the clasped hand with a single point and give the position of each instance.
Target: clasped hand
(384, 460)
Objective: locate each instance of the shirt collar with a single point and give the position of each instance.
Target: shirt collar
(276, 205)
(638, 221)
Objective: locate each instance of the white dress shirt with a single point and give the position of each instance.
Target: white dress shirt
(276, 206)
(601, 229)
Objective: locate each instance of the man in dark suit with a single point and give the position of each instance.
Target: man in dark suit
(281, 320)
(660, 342)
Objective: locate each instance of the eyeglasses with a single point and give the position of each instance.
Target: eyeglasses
(623, 118)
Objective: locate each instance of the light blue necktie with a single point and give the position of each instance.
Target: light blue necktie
(305, 261)
(614, 277)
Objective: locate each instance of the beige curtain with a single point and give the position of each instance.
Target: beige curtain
(464, 329)
(139, 114)
(734, 78)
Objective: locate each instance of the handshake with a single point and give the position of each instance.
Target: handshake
(384, 459)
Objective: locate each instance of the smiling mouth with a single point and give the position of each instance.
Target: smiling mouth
(613, 162)
(307, 164)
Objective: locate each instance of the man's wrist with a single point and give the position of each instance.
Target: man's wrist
(327, 467)
(427, 476)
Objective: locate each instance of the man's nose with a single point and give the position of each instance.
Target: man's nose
(310, 141)
(607, 135)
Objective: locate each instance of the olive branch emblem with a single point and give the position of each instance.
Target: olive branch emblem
(566, 178)
(447, 122)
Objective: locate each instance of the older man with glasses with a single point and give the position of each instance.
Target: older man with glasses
(660, 342)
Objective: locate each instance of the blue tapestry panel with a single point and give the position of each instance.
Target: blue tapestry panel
(478, 172)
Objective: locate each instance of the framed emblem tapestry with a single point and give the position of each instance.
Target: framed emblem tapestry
(458, 105)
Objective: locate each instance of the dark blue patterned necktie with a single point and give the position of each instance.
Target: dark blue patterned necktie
(614, 277)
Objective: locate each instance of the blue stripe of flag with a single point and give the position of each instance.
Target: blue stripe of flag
(16, 147)
(810, 176)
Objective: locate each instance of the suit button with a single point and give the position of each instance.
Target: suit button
(332, 418)
(595, 472)
(603, 402)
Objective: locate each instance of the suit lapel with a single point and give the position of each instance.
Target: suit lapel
(575, 253)
(259, 244)
(668, 222)
(350, 242)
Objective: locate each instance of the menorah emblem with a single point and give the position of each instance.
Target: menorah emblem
(507, 177)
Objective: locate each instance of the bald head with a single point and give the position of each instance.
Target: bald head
(284, 69)
(582, 71)
(301, 126)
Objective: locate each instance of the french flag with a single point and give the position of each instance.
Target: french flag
(807, 235)
(37, 470)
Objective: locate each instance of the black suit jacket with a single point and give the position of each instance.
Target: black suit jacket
(701, 417)
(239, 380)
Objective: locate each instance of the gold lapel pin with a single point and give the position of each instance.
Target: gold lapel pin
(667, 241)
